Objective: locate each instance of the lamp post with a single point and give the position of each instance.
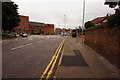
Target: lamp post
(83, 21)
(64, 21)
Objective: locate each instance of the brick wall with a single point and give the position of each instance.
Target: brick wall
(104, 40)
(24, 25)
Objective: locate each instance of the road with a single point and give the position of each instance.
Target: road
(28, 57)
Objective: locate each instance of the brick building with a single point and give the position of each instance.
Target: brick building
(58, 31)
(24, 25)
(33, 27)
(36, 27)
(48, 29)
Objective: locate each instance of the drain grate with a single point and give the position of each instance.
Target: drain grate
(77, 60)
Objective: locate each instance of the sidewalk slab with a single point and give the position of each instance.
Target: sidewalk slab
(80, 62)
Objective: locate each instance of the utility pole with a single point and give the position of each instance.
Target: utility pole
(83, 21)
(58, 24)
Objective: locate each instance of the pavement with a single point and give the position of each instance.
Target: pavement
(80, 61)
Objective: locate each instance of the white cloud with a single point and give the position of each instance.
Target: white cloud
(53, 11)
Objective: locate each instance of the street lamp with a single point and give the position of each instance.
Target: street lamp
(83, 20)
(64, 21)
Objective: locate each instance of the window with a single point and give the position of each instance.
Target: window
(19, 29)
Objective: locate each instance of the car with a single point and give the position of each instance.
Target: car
(14, 34)
(23, 34)
(74, 33)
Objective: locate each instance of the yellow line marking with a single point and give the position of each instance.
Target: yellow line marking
(53, 58)
(45, 71)
(53, 65)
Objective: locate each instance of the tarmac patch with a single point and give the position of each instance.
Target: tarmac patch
(76, 60)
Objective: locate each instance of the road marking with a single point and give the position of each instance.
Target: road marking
(16, 47)
(52, 63)
(60, 61)
(16, 39)
(24, 38)
(45, 71)
(39, 41)
(20, 46)
(28, 44)
(30, 39)
(48, 36)
(6, 41)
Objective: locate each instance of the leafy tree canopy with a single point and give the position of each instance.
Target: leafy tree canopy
(89, 24)
(112, 4)
(114, 19)
(10, 17)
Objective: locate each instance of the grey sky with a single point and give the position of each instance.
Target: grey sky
(53, 11)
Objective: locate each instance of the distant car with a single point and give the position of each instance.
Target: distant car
(14, 34)
(74, 33)
(23, 34)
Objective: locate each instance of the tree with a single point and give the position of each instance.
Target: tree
(112, 4)
(89, 24)
(10, 17)
(114, 19)
(79, 31)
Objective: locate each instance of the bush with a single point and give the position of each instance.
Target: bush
(89, 24)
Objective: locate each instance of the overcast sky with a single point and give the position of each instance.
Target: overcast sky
(53, 11)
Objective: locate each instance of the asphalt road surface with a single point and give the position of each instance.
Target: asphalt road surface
(28, 57)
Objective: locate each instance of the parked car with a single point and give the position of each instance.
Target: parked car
(23, 34)
(14, 34)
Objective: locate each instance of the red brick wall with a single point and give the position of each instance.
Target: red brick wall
(24, 24)
(33, 28)
(105, 41)
(49, 28)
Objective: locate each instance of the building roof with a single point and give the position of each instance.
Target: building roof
(23, 16)
(98, 20)
(36, 23)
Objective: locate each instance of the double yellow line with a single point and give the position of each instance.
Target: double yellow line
(49, 69)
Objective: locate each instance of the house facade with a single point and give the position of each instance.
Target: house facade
(98, 20)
